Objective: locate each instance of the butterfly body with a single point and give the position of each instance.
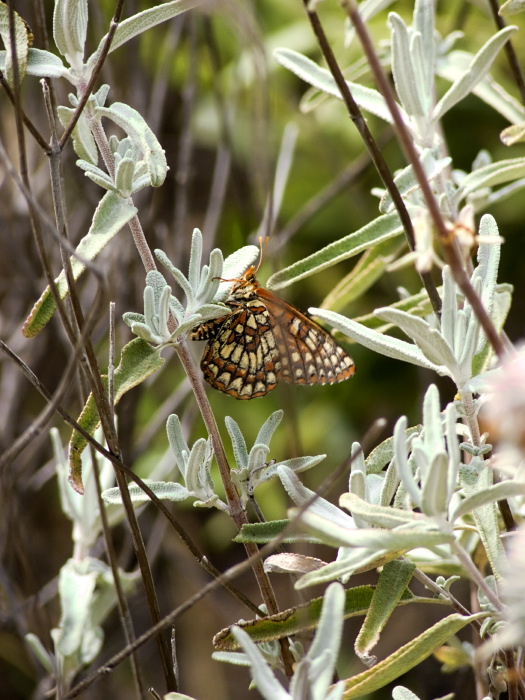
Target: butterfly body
(265, 340)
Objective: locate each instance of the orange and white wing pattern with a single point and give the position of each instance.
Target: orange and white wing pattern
(263, 341)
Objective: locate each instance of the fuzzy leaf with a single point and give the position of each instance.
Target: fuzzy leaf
(392, 583)
(142, 136)
(479, 67)
(381, 229)
(368, 99)
(139, 23)
(407, 656)
(167, 490)
(383, 344)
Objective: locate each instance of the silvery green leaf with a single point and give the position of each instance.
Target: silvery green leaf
(142, 136)
(83, 141)
(402, 693)
(41, 64)
(423, 25)
(100, 97)
(234, 267)
(195, 259)
(375, 515)
(487, 268)
(124, 177)
(142, 330)
(97, 175)
(70, 21)
(163, 312)
(297, 464)
(139, 183)
(358, 459)
(165, 490)
(490, 175)
(327, 639)
(267, 684)
(476, 71)
(497, 492)
(469, 348)
(383, 344)
(453, 452)
(390, 484)
(187, 324)
(211, 276)
(199, 455)
(452, 65)
(512, 7)
(368, 99)
(501, 308)
(407, 182)
(178, 444)
(402, 463)
(300, 495)
(257, 456)
(131, 317)
(177, 274)
(403, 67)
(240, 451)
(150, 307)
(432, 425)
(139, 23)
(449, 309)
(156, 281)
(357, 485)
(381, 229)
(435, 496)
(177, 309)
(396, 539)
(358, 559)
(44, 657)
(429, 341)
(207, 312)
(384, 452)
(267, 430)
(76, 586)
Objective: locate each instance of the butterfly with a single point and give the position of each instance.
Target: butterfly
(263, 341)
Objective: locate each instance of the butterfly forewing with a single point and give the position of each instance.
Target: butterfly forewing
(263, 341)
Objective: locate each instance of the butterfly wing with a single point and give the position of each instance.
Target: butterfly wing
(308, 354)
(242, 358)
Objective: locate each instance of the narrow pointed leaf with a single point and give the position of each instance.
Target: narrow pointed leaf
(381, 229)
(406, 657)
(392, 583)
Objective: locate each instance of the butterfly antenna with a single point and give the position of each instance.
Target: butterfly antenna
(263, 245)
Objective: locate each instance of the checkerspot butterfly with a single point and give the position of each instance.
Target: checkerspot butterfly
(265, 340)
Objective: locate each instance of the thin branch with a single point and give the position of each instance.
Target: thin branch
(446, 238)
(125, 616)
(118, 464)
(30, 126)
(236, 510)
(509, 50)
(373, 148)
(94, 75)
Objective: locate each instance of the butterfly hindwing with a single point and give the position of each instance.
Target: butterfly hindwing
(265, 340)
